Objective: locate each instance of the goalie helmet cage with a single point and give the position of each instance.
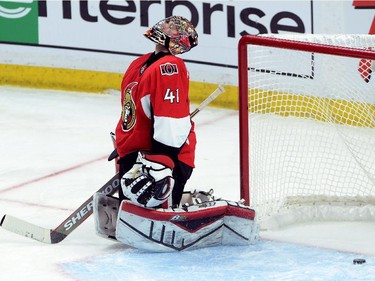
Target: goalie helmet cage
(307, 127)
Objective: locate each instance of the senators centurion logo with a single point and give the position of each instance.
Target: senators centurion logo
(128, 115)
(168, 69)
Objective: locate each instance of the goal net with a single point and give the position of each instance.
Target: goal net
(307, 127)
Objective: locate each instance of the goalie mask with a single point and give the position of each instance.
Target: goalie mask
(175, 33)
(149, 182)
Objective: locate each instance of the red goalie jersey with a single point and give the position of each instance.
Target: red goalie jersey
(155, 109)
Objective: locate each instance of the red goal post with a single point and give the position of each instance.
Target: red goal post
(243, 75)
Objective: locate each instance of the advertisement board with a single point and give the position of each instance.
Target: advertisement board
(107, 35)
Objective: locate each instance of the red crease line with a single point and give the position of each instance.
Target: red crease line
(35, 205)
(12, 187)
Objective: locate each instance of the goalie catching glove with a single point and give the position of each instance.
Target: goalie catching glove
(149, 182)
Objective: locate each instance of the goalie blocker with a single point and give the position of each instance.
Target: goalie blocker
(201, 222)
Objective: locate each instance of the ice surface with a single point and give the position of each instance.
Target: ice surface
(266, 261)
(53, 157)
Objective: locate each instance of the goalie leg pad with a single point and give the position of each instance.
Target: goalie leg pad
(105, 209)
(207, 224)
(196, 196)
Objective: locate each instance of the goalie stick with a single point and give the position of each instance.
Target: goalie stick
(53, 236)
(220, 89)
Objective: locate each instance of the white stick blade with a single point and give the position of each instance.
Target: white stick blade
(27, 229)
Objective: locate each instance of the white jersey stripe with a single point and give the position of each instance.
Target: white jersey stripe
(146, 105)
(171, 131)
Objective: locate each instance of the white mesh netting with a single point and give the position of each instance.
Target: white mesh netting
(312, 132)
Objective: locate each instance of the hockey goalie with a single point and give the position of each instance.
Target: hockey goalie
(155, 141)
(146, 221)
